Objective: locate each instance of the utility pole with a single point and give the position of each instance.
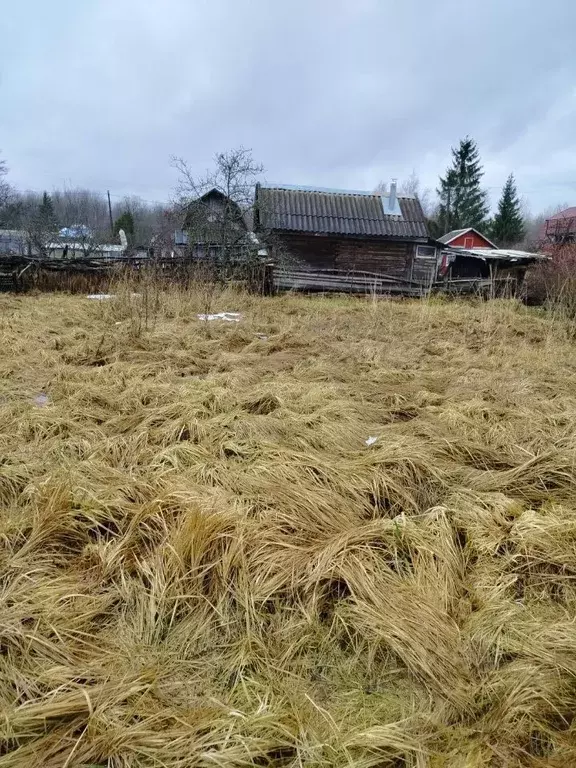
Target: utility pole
(110, 214)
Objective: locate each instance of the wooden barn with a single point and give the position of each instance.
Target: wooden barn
(343, 231)
(466, 238)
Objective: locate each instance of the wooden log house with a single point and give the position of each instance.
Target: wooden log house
(327, 229)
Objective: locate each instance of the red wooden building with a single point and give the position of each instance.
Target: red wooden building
(466, 238)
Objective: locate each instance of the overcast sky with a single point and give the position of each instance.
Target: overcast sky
(341, 93)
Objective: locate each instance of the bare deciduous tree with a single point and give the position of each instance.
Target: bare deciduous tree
(149, 218)
(4, 186)
(217, 211)
(534, 224)
(411, 188)
(218, 225)
(79, 207)
(7, 196)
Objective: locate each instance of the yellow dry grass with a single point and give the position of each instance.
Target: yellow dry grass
(202, 563)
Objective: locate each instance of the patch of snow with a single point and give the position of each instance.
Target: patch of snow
(230, 317)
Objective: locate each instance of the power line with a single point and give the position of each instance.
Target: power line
(104, 195)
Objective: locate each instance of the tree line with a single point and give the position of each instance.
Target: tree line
(463, 203)
(460, 202)
(42, 215)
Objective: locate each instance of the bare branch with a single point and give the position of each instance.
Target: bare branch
(217, 208)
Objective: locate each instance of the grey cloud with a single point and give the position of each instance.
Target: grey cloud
(327, 92)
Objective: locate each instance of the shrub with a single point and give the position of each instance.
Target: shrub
(553, 282)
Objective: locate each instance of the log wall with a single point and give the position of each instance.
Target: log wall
(387, 257)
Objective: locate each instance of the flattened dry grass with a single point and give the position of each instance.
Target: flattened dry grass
(202, 562)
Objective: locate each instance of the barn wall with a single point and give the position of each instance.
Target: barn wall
(463, 241)
(386, 257)
(306, 250)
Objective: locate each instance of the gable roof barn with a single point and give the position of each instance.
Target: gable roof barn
(450, 237)
(213, 207)
(339, 212)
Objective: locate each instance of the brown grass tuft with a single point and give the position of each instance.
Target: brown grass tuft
(203, 563)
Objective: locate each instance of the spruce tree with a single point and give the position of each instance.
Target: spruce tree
(463, 202)
(46, 215)
(508, 225)
(126, 222)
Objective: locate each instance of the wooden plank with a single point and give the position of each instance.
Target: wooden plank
(341, 281)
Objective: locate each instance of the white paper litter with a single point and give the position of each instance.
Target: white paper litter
(104, 296)
(262, 336)
(230, 317)
(41, 400)
(371, 440)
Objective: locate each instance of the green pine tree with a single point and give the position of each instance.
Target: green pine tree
(463, 202)
(126, 222)
(46, 215)
(508, 225)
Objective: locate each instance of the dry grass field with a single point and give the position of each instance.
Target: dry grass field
(202, 562)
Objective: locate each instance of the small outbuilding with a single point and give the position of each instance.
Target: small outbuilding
(466, 238)
(345, 231)
(495, 271)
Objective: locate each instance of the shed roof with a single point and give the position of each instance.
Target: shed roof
(341, 212)
(496, 254)
(450, 236)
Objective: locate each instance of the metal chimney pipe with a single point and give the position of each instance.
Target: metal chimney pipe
(392, 197)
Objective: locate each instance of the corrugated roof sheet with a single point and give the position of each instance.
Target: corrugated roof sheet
(449, 236)
(342, 213)
(495, 254)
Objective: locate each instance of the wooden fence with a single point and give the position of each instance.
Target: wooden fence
(21, 273)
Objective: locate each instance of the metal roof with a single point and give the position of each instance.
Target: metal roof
(497, 254)
(449, 236)
(339, 212)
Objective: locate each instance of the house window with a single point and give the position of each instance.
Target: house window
(468, 242)
(427, 252)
